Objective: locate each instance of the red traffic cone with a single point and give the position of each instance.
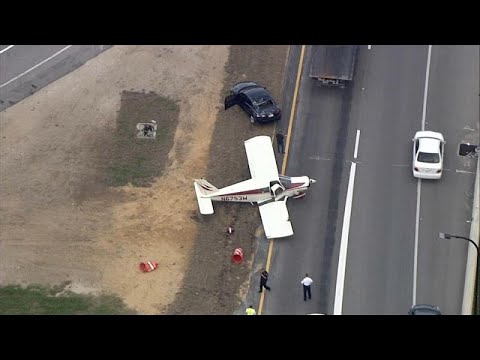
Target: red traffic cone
(237, 256)
(148, 266)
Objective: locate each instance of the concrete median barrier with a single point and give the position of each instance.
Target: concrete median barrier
(470, 272)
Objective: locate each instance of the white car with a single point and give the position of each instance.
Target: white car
(428, 155)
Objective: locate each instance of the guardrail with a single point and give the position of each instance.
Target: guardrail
(472, 258)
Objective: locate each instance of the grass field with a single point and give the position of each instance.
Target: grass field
(137, 161)
(38, 300)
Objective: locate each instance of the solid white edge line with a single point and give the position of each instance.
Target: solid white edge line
(415, 252)
(425, 92)
(419, 183)
(342, 258)
(8, 47)
(356, 144)
(33, 68)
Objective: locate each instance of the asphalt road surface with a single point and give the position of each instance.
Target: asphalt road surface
(318, 148)
(24, 69)
(446, 206)
(385, 271)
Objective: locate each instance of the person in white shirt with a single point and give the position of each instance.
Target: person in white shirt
(307, 282)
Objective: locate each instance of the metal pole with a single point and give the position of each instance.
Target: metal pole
(475, 296)
(448, 236)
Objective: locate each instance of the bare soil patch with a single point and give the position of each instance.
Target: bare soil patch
(82, 203)
(213, 284)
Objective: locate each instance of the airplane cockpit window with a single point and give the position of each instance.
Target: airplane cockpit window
(285, 181)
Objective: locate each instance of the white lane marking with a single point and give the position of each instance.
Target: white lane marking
(369, 47)
(419, 182)
(342, 259)
(33, 68)
(415, 253)
(401, 165)
(8, 47)
(465, 172)
(318, 158)
(425, 92)
(356, 144)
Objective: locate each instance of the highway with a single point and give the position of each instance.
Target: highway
(25, 69)
(394, 257)
(319, 148)
(453, 108)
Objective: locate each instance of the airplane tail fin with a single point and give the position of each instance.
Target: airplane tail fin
(203, 189)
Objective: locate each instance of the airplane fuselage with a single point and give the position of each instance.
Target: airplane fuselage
(257, 191)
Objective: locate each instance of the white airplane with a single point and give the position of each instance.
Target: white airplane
(266, 187)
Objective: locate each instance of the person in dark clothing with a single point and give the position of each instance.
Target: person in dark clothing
(263, 280)
(280, 140)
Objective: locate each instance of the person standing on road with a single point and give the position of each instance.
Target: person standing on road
(280, 140)
(250, 311)
(307, 282)
(263, 280)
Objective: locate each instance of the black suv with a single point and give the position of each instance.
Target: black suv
(424, 309)
(255, 101)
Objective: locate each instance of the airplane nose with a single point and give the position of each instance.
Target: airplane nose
(313, 181)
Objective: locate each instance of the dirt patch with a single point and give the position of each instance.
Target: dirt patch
(59, 220)
(213, 284)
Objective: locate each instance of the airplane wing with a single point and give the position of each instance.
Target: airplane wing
(261, 159)
(275, 219)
